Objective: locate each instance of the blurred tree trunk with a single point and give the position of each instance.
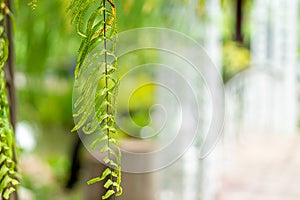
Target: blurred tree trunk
(239, 22)
(9, 69)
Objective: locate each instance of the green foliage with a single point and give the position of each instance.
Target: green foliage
(44, 41)
(8, 181)
(95, 22)
(46, 104)
(235, 59)
(136, 14)
(33, 4)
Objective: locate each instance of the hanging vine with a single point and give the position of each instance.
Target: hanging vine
(8, 181)
(95, 22)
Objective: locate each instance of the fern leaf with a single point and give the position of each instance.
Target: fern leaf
(8, 181)
(108, 183)
(108, 194)
(95, 22)
(105, 173)
(93, 180)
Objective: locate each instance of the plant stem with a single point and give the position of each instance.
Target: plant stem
(106, 80)
(105, 59)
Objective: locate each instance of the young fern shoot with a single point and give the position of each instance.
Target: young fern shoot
(95, 22)
(8, 181)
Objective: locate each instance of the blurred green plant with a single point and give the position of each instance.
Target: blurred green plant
(59, 165)
(33, 4)
(45, 59)
(136, 14)
(44, 45)
(235, 59)
(8, 181)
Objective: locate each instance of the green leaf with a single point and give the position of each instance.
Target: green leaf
(93, 180)
(113, 164)
(6, 181)
(106, 116)
(90, 127)
(106, 159)
(102, 137)
(115, 174)
(108, 194)
(83, 119)
(8, 192)
(105, 148)
(120, 192)
(113, 140)
(108, 183)
(105, 173)
(4, 170)
(14, 182)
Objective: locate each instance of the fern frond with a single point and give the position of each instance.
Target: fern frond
(8, 180)
(95, 22)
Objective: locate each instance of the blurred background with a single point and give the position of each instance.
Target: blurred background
(253, 43)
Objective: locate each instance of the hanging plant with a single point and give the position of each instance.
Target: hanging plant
(95, 22)
(8, 181)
